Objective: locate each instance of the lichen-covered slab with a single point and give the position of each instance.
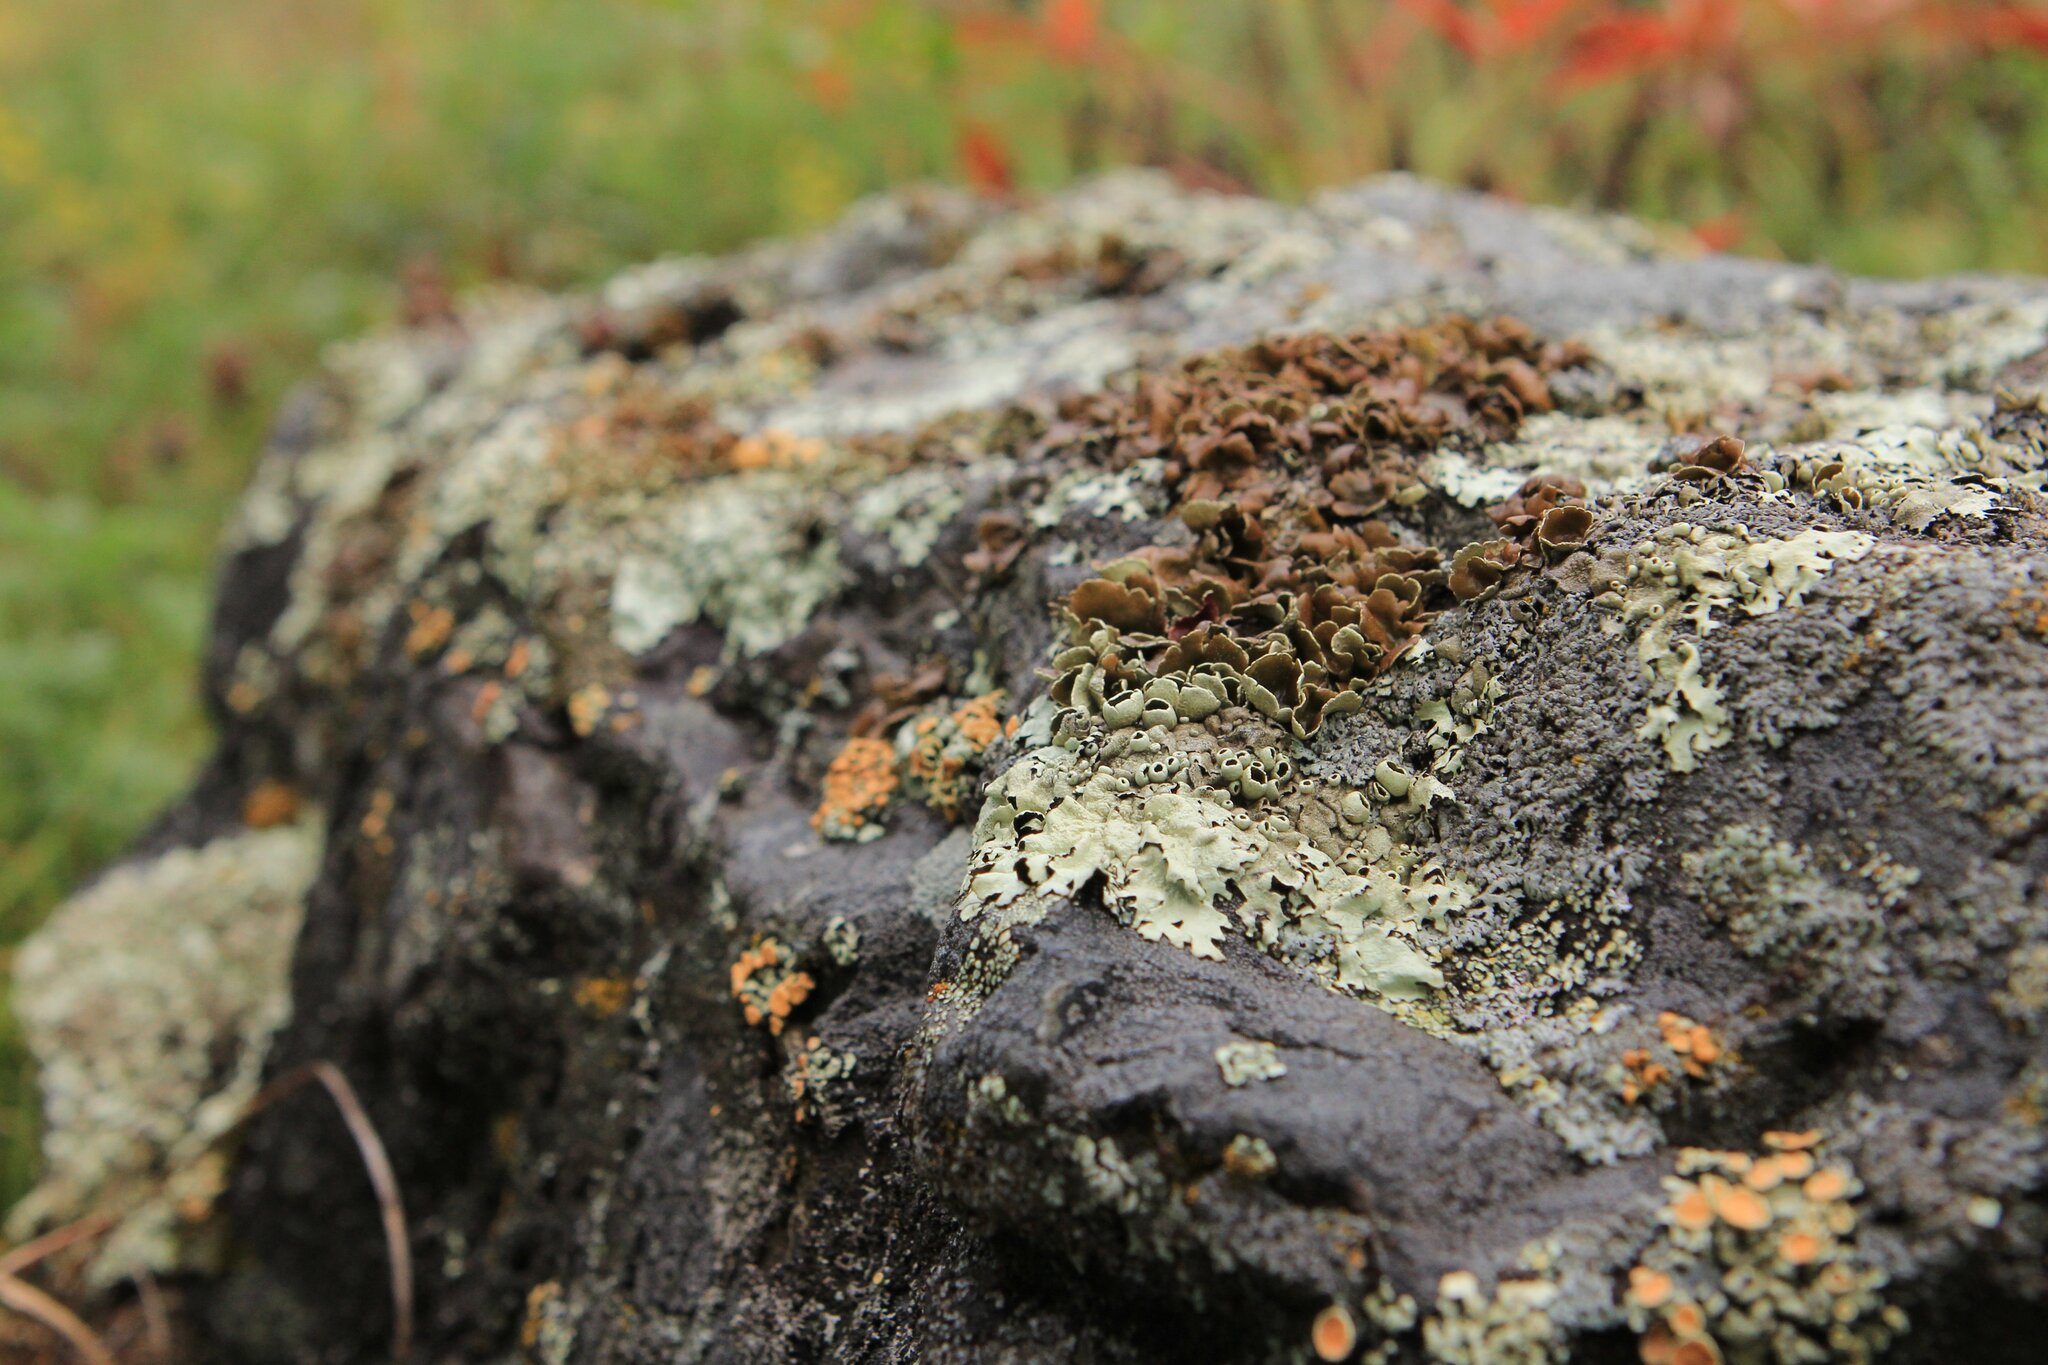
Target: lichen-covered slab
(1146, 776)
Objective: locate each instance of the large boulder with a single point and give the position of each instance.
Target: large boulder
(1152, 776)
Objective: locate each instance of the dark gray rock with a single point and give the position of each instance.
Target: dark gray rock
(1698, 1012)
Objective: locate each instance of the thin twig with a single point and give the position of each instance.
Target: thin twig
(31, 1302)
(156, 1323)
(52, 1242)
(377, 1164)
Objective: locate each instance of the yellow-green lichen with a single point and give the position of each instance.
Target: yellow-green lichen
(812, 1075)
(2023, 1001)
(1250, 1157)
(733, 554)
(1510, 1326)
(1773, 902)
(909, 510)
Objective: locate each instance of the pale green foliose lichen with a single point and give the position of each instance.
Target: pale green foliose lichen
(1681, 577)
(909, 511)
(1776, 904)
(1510, 1326)
(1181, 860)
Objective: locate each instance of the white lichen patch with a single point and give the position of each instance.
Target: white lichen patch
(1537, 1005)
(1679, 579)
(1470, 483)
(1776, 904)
(1608, 454)
(909, 511)
(1971, 343)
(1684, 371)
(149, 1000)
(1934, 460)
(739, 552)
(1127, 495)
(1182, 859)
(1244, 1060)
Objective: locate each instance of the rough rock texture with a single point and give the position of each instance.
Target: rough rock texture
(917, 796)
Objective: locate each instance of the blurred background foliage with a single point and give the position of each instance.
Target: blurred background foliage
(195, 197)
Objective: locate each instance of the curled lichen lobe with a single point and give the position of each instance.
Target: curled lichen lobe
(1289, 592)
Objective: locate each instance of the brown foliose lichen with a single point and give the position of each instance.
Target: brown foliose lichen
(1289, 593)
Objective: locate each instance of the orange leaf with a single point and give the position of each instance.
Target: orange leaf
(985, 161)
(1071, 28)
(1522, 23)
(1718, 234)
(829, 87)
(1621, 45)
(2007, 26)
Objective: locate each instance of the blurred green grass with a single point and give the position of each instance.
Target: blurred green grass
(195, 198)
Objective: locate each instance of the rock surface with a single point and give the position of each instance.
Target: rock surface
(1149, 777)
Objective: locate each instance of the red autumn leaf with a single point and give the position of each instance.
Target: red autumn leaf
(1521, 23)
(829, 87)
(2006, 26)
(1621, 45)
(1450, 22)
(985, 161)
(1071, 28)
(1507, 26)
(1721, 232)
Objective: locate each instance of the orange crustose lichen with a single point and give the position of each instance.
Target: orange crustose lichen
(768, 986)
(944, 760)
(858, 788)
(1693, 1048)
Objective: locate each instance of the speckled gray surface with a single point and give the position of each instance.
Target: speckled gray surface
(1653, 964)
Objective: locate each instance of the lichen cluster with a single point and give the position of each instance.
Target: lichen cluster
(1759, 1260)
(1288, 593)
(858, 787)
(1244, 1060)
(942, 767)
(1510, 1326)
(1478, 677)
(1688, 1046)
(768, 985)
(1190, 843)
(1682, 576)
(1773, 903)
(149, 1000)
(935, 758)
